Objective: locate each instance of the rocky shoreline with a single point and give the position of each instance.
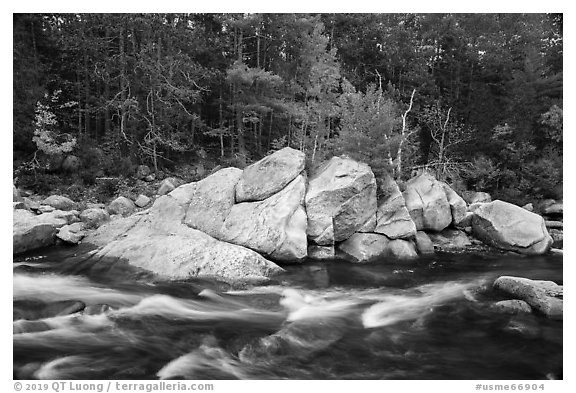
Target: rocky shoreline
(239, 226)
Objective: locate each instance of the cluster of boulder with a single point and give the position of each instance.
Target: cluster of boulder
(231, 224)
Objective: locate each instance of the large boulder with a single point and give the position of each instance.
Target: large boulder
(340, 199)
(457, 204)
(122, 206)
(423, 243)
(211, 200)
(427, 203)
(392, 217)
(159, 242)
(60, 202)
(31, 231)
(275, 226)
(94, 217)
(269, 175)
(509, 227)
(364, 247)
(544, 296)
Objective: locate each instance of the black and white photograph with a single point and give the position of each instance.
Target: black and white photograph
(208, 196)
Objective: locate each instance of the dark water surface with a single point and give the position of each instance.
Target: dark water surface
(428, 319)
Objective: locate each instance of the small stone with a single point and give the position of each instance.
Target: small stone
(121, 205)
(166, 187)
(72, 233)
(142, 200)
(529, 207)
(45, 209)
(150, 178)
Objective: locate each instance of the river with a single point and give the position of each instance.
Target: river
(426, 319)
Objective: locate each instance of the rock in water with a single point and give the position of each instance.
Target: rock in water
(59, 202)
(94, 217)
(544, 296)
(514, 306)
(423, 243)
(269, 175)
(158, 241)
(340, 199)
(427, 203)
(121, 205)
(275, 226)
(364, 247)
(450, 239)
(211, 200)
(393, 219)
(509, 227)
(32, 231)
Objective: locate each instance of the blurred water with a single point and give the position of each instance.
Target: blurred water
(426, 319)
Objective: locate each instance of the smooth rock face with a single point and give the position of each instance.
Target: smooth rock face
(164, 246)
(275, 226)
(450, 239)
(427, 203)
(211, 200)
(121, 205)
(340, 199)
(393, 219)
(269, 175)
(458, 206)
(401, 249)
(423, 243)
(72, 233)
(544, 296)
(32, 231)
(509, 227)
(59, 202)
(94, 217)
(142, 200)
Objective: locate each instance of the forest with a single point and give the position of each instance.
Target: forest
(474, 98)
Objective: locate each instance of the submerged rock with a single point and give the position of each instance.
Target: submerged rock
(269, 175)
(509, 227)
(341, 197)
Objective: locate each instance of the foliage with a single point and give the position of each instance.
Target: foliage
(46, 135)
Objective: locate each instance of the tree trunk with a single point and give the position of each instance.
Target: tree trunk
(123, 92)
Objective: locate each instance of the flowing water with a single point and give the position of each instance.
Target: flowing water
(427, 319)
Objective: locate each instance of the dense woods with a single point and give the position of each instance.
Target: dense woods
(476, 98)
